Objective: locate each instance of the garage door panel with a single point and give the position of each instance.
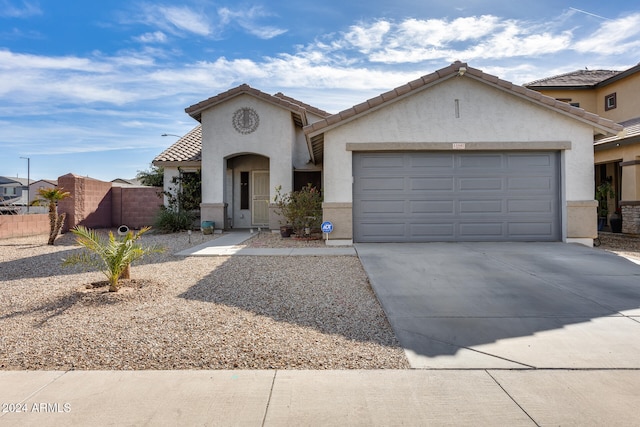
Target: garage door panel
(527, 161)
(437, 161)
(530, 183)
(381, 207)
(482, 161)
(481, 207)
(470, 196)
(383, 230)
(529, 229)
(477, 183)
(529, 206)
(376, 163)
(390, 183)
(425, 230)
(488, 230)
(431, 183)
(432, 207)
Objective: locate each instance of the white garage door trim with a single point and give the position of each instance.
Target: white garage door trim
(456, 196)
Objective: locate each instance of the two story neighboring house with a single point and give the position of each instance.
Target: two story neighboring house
(612, 95)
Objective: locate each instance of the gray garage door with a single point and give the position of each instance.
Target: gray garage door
(455, 196)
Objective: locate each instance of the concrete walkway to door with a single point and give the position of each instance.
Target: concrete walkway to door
(508, 305)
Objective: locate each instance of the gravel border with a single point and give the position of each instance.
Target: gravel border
(190, 312)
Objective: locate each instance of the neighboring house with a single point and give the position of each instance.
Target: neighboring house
(612, 95)
(40, 185)
(33, 193)
(456, 155)
(127, 182)
(13, 194)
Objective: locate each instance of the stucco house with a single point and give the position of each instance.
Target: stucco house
(13, 195)
(612, 95)
(456, 155)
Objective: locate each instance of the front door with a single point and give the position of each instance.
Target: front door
(260, 198)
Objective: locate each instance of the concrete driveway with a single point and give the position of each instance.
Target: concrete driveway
(508, 305)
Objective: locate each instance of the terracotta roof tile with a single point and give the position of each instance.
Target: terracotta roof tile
(186, 149)
(403, 89)
(309, 108)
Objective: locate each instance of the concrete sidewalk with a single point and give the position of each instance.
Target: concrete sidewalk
(319, 398)
(230, 244)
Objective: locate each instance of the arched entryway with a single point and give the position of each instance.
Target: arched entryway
(247, 192)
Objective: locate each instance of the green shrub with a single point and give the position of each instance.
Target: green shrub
(170, 220)
(301, 209)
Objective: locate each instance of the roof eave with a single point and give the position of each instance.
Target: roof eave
(616, 143)
(177, 163)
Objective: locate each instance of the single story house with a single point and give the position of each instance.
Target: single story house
(456, 155)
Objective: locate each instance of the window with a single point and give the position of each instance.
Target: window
(610, 102)
(569, 101)
(244, 190)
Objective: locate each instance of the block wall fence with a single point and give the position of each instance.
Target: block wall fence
(94, 204)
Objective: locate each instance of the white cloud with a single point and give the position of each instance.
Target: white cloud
(24, 10)
(619, 36)
(367, 38)
(366, 59)
(20, 61)
(186, 19)
(204, 22)
(414, 40)
(155, 37)
(247, 19)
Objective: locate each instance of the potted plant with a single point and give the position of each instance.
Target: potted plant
(604, 192)
(302, 210)
(616, 221)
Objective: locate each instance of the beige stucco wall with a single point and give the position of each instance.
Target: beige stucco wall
(628, 102)
(587, 98)
(486, 115)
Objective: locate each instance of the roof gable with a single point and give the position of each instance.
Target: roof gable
(279, 100)
(457, 69)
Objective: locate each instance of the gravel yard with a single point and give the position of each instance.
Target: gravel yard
(622, 244)
(198, 312)
(190, 313)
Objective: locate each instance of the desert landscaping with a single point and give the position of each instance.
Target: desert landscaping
(242, 312)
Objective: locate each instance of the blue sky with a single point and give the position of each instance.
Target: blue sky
(89, 87)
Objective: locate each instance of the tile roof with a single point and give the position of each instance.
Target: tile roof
(316, 129)
(186, 149)
(579, 78)
(630, 134)
(189, 147)
(196, 110)
(310, 108)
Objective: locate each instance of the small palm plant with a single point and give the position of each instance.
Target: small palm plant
(111, 256)
(51, 197)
